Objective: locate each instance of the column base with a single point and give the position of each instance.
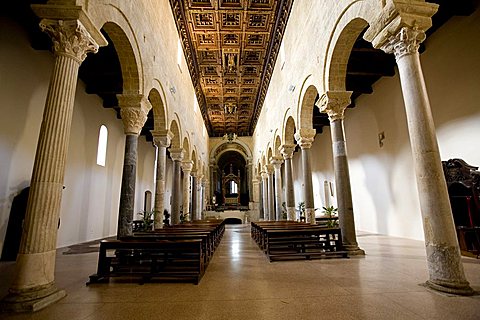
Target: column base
(354, 250)
(461, 289)
(31, 300)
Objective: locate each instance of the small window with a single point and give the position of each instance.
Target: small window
(102, 146)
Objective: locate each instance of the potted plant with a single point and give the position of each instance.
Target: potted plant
(301, 210)
(331, 213)
(148, 218)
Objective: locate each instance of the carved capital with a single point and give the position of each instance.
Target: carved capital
(269, 169)
(276, 162)
(395, 16)
(133, 109)
(187, 166)
(405, 42)
(162, 138)
(305, 137)
(70, 38)
(264, 175)
(334, 104)
(177, 154)
(287, 150)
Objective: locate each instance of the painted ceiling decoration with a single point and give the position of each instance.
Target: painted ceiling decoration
(231, 47)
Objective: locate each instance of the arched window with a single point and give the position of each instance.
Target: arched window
(102, 146)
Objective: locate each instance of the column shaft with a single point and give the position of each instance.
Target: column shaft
(271, 197)
(266, 209)
(194, 198)
(289, 190)
(443, 254)
(127, 193)
(36, 257)
(160, 186)
(278, 191)
(343, 188)
(176, 190)
(308, 186)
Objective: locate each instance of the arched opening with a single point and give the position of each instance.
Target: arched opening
(233, 191)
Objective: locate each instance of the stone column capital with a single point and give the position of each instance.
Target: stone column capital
(133, 109)
(305, 137)
(162, 138)
(70, 38)
(269, 169)
(177, 154)
(334, 104)
(276, 162)
(400, 27)
(287, 150)
(264, 175)
(187, 166)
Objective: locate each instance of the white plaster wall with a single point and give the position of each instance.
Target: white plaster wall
(91, 196)
(145, 174)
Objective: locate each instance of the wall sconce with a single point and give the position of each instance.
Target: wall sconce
(381, 137)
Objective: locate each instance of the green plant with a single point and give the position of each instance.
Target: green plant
(148, 218)
(331, 212)
(284, 211)
(301, 210)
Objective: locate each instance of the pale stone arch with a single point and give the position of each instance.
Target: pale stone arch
(236, 145)
(159, 110)
(353, 19)
(126, 55)
(289, 131)
(193, 157)
(269, 153)
(278, 143)
(263, 161)
(176, 134)
(186, 148)
(306, 105)
(103, 13)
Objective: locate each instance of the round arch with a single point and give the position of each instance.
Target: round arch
(127, 56)
(289, 131)
(159, 114)
(307, 103)
(176, 134)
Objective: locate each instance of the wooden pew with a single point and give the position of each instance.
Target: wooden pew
(179, 260)
(180, 252)
(282, 240)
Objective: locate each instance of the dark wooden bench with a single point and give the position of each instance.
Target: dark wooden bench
(180, 260)
(180, 252)
(287, 241)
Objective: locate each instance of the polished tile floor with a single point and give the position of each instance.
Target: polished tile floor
(240, 283)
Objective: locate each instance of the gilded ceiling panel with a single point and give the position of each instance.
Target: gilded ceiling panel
(229, 45)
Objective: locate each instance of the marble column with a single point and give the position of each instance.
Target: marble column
(194, 193)
(177, 156)
(305, 139)
(187, 170)
(33, 287)
(271, 192)
(133, 109)
(266, 209)
(162, 142)
(334, 104)
(277, 166)
(249, 168)
(287, 152)
(212, 178)
(403, 38)
(204, 185)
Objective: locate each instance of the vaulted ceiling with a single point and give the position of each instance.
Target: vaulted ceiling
(231, 47)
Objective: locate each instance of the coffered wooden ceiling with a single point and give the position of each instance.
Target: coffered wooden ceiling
(231, 47)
